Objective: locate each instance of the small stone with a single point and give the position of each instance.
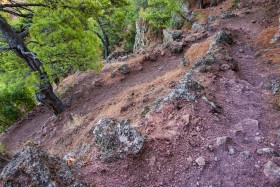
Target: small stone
(189, 159)
(223, 140)
(210, 148)
(183, 61)
(278, 133)
(216, 159)
(241, 50)
(246, 154)
(258, 139)
(225, 67)
(231, 150)
(123, 68)
(228, 15)
(253, 21)
(98, 83)
(200, 161)
(272, 171)
(266, 150)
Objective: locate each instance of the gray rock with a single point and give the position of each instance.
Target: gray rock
(228, 15)
(212, 18)
(210, 147)
(278, 133)
(272, 171)
(176, 47)
(187, 89)
(223, 140)
(170, 36)
(231, 150)
(249, 126)
(116, 139)
(115, 55)
(183, 61)
(275, 84)
(266, 150)
(197, 26)
(33, 167)
(246, 154)
(200, 161)
(124, 69)
(221, 37)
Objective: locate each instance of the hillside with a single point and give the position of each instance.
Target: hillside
(202, 114)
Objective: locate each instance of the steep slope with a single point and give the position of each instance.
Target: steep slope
(217, 127)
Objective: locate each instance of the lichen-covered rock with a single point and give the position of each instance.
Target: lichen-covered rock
(187, 89)
(176, 47)
(228, 15)
(170, 36)
(124, 69)
(115, 55)
(219, 38)
(33, 167)
(141, 39)
(116, 139)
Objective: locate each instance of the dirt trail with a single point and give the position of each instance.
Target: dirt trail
(87, 99)
(170, 162)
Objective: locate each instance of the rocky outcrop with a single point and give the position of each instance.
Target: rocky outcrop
(140, 39)
(116, 139)
(170, 36)
(33, 167)
(215, 58)
(172, 40)
(116, 55)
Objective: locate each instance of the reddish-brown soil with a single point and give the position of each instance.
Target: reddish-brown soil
(174, 138)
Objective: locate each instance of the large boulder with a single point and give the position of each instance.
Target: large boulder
(116, 139)
(33, 167)
(170, 36)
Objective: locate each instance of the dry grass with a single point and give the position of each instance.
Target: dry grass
(197, 51)
(271, 55)
(137, 94)
(201, 15)
(75, 122)
(265, 36)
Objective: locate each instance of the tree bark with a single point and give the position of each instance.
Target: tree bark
(45, 92)
(104, 39)
(201, 6)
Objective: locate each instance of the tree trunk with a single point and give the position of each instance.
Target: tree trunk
(45, 94)
(201, 6)
(104, 39)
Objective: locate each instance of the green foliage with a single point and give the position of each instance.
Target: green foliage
(62, 39)
(159, 13)
(16, 88)
(64, 36)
